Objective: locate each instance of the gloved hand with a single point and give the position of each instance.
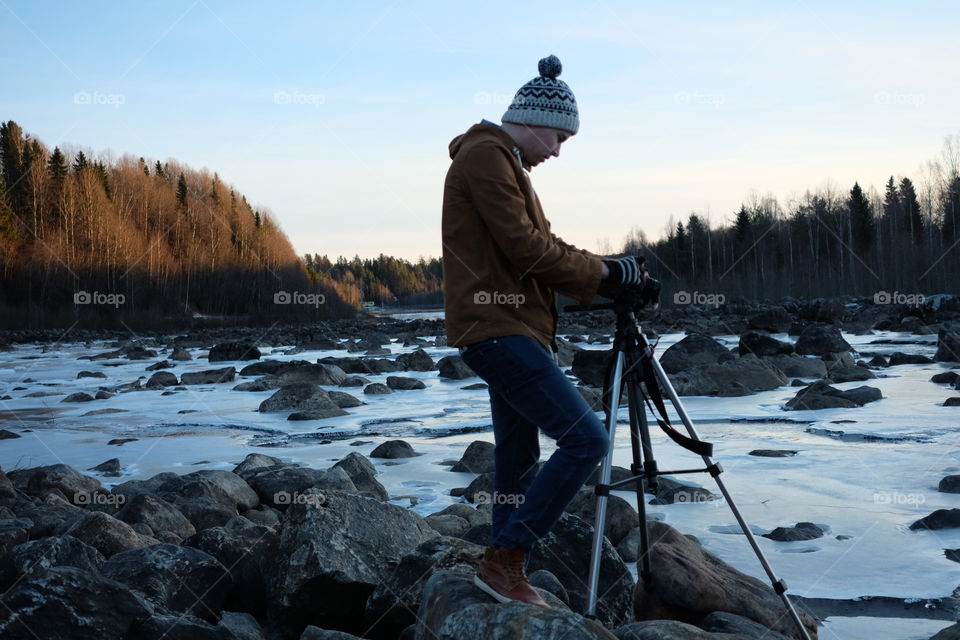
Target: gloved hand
(629, 271)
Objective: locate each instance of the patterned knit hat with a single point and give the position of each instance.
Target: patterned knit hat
(545, 101)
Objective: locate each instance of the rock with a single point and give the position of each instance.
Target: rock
(482, 484)
(309, 373)
(362, 473)
(105, 533)
(344, 400)
(593, 398)
(248, 553)
(952, 402)
(820, 395)
(773, 453)
(693, 350)
(670, 491)
(79, 396)
(775, 320)
(316, 633)
(157, 366)
(621, 516)
(760, 345)
(53, 602)
(366, 366)
(377, 389)
(157, 514)
(29, 558)
(302, 397)
(563, 552)
(253, 462)
(279, 485)
(802, 531)
(566, 352)
(394, 603)
(404, 384)
(161, 379)
(821, 340)
(180, 354)
(448, 525)
(392, 449)
(939, 519)
(590, 366)
(40, 481)
(948, 377)
(416, 361)
(545, 581)
(949, 633)
(670, 630)
(14, 531)
(842, 369)
(454, 368)
(313, 577)
(109, 468)
(477, 386)
(210, 376)
(8, 435)
(898, 358)
(729, 623)
(354, 381)
(47, 514)
(878, 361)
(732, 378)
(182, 580)
(91, 374)
(233, 351)
(478, 458)
(948, 346)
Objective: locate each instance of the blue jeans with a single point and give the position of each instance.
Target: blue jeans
(527, 391)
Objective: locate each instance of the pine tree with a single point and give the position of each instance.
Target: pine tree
(257, 220)
(158, 170)
(143, 165)
(742, 226)
(101, 171)
(861, 219)
(951, 212)
(80, 162)
(9, 227)
(891, 204)
(911, 209)
(182, 192)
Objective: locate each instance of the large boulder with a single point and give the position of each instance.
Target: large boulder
(948, 346)
(821, 340)
(775, 320)
(417, 360)
(761, 344)
(66, 602)
(478, 458)
(939, 519)
(331, 555)
(178, 579)
(105, 533)
(60, 478)
(794, 366)
(394, 602)
(282, 484)
(31, 557)
(210, 376)
(621, 516)
(693, 350)
(740, 377)
(590, 366)
(454, 368)
(362, 473)
(821, 395)
(453, 608)
(157, 514)
(233, 351)
(691, 582)
(302, 397)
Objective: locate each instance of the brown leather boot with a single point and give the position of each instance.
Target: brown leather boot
(501, 575)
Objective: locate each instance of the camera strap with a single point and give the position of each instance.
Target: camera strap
(653, 393)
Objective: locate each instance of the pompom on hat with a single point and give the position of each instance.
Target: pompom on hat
(545, 101)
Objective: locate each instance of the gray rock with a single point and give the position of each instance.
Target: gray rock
(61, 478)
(898, 358)
(621, 516)
(394, 603)
(820, 395)
(761, 344)
(363, 474)
(952, 402)
(50, 603)
(182, 580)
(732, 378)
(29, 558)
(775, 320)
(821, 340)
(729, 623)
(377, 389)
(773, 453)
(316, 633)
(302, 397)
(400, 383)
(454, 368)
(590, 366)
(948, 377)
(691, 583)
(801, 531)
(354, 381)
(478, 458)
(180, 354)
(105, 533)
(91, 374)
(448, 525)
(157, 514)
(939, 519)
(333, 553)
(79, 396)
(210, 376)
(233, 351)
(693, 350)
(795, 366)
(392, 449)
(670, 630)
(417, 360)
(162, 379)
(344, 400)
(109, 468)
(948, 346)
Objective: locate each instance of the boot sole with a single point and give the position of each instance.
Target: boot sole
(499, 597)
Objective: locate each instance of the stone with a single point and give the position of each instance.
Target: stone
(40, 481)
(377, 389)
(761, 344)
(898, 358)
(392, 449)
(775, 320)
(821, 340)
(233, 351)
(302, 397)
(801, 531)
(773, 453)
(103, 532)
(948, 346)
(621, 516)
(79, 396)
(417, 360)
(454, 368)
(157, 514)
(362, 473)
(939, 519)
(210, 376)
(109, 468)
(162, 379)
(478, 458)
(29, 558)
(693, 350)
(401, 383)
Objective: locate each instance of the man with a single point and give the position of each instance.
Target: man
(502, 269)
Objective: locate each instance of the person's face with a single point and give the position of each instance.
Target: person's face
(542, 143)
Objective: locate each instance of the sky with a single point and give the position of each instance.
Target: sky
(336, 116)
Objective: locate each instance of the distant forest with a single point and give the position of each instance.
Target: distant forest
(133, 242)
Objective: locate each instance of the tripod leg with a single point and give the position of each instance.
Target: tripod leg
(779, 586)
(643, 463)
(612, 389)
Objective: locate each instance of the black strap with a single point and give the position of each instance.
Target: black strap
(698, 447)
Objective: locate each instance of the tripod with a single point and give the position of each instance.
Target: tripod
(634, 362)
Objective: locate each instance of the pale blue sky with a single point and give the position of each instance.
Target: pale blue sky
(336, 115)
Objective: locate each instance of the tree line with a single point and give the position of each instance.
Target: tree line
(828, 242)
(384, 281)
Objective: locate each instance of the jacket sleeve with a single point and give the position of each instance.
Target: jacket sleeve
(570, 247)
(491, 179)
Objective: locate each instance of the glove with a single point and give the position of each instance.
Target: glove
(628, 271)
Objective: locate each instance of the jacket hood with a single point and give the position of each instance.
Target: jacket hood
(480, 133)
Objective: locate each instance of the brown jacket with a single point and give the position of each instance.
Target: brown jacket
(502, 266)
